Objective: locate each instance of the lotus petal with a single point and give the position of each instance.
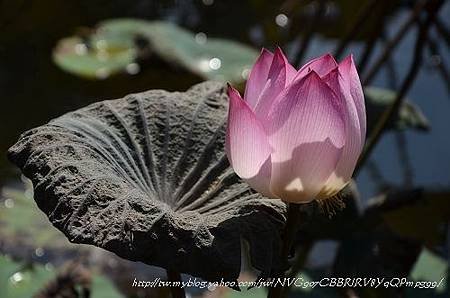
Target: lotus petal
(321, 65)
(307, 134)
(350, 75)
(247, 144)
(279, 76)
(258, 78)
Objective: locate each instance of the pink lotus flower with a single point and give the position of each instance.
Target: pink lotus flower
(297, 135)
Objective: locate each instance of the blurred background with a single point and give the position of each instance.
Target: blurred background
(57, 56)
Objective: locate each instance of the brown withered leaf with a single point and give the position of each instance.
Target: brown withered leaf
(146, 177)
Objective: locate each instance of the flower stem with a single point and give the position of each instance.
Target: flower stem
(392, 110)
(177, 292)
(289, 232)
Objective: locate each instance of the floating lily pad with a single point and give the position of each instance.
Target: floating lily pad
(431, 271)
(112, 47)
(102, 287)
(213, 58)
(430, 267)
(97, 58)
(18, 280)
(252, 293)
(146, 177)
(409, 116)
(22, 226)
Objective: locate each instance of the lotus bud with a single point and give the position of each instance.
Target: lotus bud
(297, 135)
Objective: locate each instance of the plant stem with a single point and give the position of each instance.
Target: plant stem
(309, 33)
(445, 74)
(390, 45)
(392, 110)
(289, 232)
(443, 31)
(355, 27)
(298, 263)
(177, 292)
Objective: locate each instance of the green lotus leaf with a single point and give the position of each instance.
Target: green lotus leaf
(409, 115)
(112, 47)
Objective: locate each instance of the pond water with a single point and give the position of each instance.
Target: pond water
(34, 90)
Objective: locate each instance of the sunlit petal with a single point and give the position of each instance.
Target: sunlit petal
(247, 145)
(307, 135)
(258, 78)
